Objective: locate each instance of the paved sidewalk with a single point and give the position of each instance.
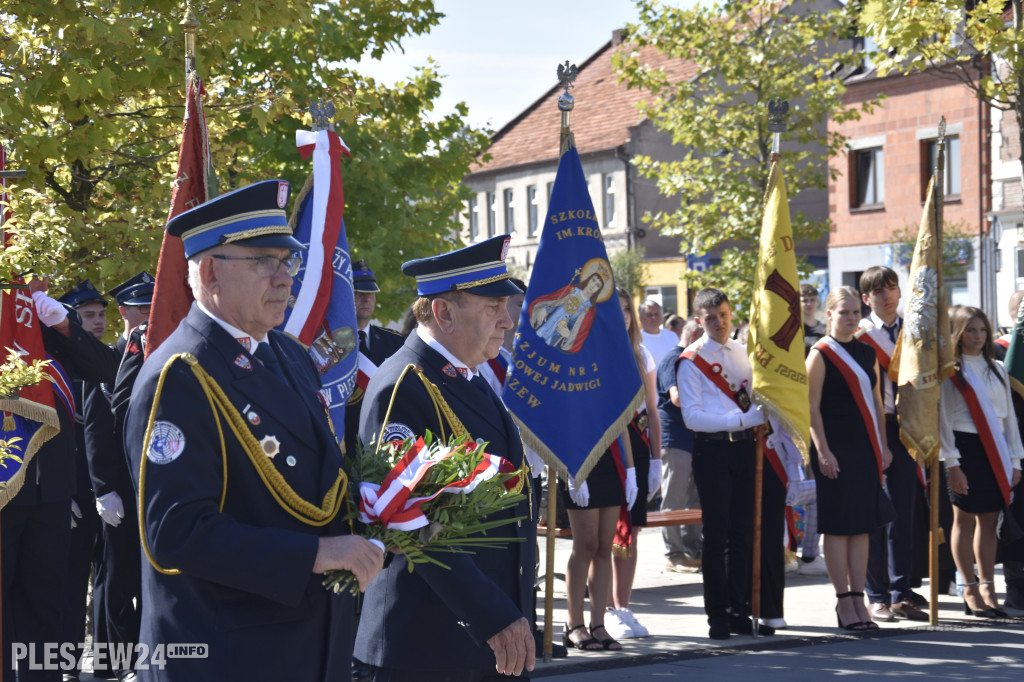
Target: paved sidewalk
(670, 605)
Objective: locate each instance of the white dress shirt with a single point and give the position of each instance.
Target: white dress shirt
(426, 338)
(706, 408)
(660, 343)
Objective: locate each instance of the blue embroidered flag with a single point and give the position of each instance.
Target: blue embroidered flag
(573, 383)
(323, 314)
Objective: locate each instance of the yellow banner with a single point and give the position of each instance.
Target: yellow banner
(776, 341)
(923, 357)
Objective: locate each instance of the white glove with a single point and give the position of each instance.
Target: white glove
(51, 312)
(631, 487)
(75, 512)
(581, 495)
(110, 508)
(653, 479)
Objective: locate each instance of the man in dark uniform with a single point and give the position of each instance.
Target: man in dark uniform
(238, 471)
(86, 537)
(118, 571)
(37, 523)
(376, 344)
(468, 622)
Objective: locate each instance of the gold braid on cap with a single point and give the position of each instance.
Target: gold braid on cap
(442, 407)
(306, 512)
(480, 282)
(255, 232)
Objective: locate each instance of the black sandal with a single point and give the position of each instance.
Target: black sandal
(866, 624)
(589, 644)
(609, 644)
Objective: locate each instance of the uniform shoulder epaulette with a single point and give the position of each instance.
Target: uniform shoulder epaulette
(393, 331)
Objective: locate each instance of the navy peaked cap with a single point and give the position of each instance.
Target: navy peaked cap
(136, 291)
(363, 279)
(82, 293)
(479, 269)
(250, 216)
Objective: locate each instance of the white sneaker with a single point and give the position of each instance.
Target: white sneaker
(793, 566)
(627, 617)
(777, 623)
(617, 627)
(815, 567)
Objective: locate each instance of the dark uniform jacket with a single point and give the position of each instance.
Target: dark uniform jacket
(108, 467)
(246, 587)
(434, 618)
(383, 344)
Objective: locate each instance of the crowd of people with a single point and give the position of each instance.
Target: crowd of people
(210, 488)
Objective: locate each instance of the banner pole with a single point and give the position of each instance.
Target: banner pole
(755, 573)
(933, 542)
(549, 560)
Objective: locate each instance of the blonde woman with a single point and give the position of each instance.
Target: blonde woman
(643, 430)
(849, 453)
(981, 451)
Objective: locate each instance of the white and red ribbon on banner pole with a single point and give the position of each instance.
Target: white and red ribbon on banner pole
(390, 503)
(328, 210)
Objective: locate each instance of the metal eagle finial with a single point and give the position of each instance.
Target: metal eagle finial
(322, 113)
(566, 75)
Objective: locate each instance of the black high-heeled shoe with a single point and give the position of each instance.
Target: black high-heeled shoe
(589, 644)
(854, 626)
(977, 613)
(994, 609)
(868, 624)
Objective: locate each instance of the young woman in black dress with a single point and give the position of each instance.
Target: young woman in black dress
(849, 453)
(981, 451)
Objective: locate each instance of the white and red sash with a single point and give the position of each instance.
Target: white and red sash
(859, 384)
(989, 429)
(713, 372)
(880, 342)
(772, 444)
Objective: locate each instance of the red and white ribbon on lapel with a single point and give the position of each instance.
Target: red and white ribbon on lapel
(390, 503)
(860, 386)
(989, 429)
(328, 210)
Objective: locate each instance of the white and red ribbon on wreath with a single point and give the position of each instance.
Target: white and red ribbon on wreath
(390, 503)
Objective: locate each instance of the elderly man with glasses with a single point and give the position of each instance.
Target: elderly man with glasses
(238, 471)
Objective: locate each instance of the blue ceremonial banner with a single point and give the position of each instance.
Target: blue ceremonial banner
(573, 383)
(322, 313)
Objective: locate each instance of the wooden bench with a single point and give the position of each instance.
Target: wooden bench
(674, 517)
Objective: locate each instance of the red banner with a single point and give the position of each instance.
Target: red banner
(172, 296)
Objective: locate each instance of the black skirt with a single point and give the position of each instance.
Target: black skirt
(983, 494)
(603, 484)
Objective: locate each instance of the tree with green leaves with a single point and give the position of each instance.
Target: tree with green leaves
(979, 43)
(93, 104)
(746, 53)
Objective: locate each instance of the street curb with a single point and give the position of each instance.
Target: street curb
(761, 644)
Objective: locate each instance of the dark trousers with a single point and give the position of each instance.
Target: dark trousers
(35, 540)
(773, 553)
(120, 575)
(891, 548)
(84, 551)
(724, 474)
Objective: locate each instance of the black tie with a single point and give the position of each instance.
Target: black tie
(268, 357)
(363, 348)
(892, 329)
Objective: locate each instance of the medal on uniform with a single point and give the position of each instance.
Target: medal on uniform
(254, 418)
(271, 446)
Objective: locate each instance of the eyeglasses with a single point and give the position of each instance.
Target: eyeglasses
(267, 266)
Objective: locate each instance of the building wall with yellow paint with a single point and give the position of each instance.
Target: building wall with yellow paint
(664, 283)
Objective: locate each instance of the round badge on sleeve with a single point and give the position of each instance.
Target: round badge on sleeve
(166, 443)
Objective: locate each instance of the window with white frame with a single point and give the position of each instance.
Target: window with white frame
(474, 219)
(492, 213)
(868, 178)
(534, 215)
(510, 212)
(609, 200)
